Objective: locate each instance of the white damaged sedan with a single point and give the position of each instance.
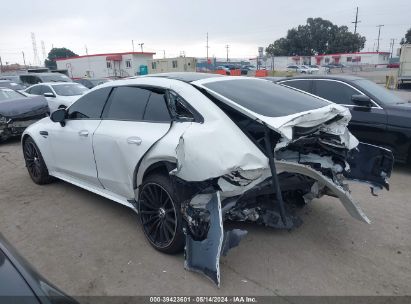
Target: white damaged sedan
(188, 151)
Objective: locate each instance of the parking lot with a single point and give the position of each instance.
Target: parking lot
(88, 245)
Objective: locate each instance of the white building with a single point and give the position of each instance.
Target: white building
(377, 59)
(105, 65)
(178, 64)
(359, 58)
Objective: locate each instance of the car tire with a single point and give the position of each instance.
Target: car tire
(160, 214)
(35, 163)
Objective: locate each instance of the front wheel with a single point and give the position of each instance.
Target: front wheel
(35, 163)
(160, 214)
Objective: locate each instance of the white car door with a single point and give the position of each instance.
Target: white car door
(134, 119)
(72, 143)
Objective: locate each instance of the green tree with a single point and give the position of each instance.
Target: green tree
(317, 36)
(57, 53)
(407, 38)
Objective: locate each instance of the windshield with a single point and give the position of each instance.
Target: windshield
(381, 93)
(71, 89)
(55, 78)
(265, 97)
(7, 94)
(11, 85)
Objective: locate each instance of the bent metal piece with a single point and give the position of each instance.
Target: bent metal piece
(352, 207)
(203, 256)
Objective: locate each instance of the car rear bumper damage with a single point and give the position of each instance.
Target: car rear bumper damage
(263, 179)
(205, 212)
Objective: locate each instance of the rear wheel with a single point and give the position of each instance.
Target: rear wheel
(160, 214)
(35, 163)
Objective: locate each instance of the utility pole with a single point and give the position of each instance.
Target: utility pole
(356, 22)
(207, 47)
(1, 66)
(392, 45)
(132, 43)
(227, 47)
(378, 40)
(24, 60)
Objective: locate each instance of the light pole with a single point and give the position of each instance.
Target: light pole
(141, 46)
(378, 40)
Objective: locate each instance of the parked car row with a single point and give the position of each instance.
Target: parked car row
(303, 69)
(58, 94)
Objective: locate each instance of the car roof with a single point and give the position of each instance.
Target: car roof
(55, 83)
(347, 78)
(185, 76)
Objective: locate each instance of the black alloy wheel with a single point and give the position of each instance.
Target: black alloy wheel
(160, 215)
(35, 164)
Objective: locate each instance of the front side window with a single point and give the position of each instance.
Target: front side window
(380, 93)
(335, 91)
(127, 103)
(46, 89)
(89, 106)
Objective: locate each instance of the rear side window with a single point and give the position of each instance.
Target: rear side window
(89, 106)
(303, 85)
(264, 97)
(334, 91)
(156, 109)
(35, 90)
(127, 103)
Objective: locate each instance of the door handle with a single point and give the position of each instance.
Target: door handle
(134, 140)
(83, 133)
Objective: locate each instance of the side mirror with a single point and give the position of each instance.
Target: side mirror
(361, 100)
(49, 94)
(59, 116)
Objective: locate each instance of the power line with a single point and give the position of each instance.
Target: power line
(356, 22)
(378, 39)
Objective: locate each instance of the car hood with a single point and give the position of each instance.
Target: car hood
(18, 107)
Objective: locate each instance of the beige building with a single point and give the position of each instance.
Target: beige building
(178, 64)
